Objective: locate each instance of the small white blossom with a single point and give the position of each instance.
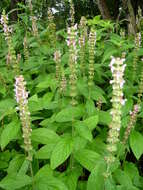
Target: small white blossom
(21, 96)
(117, 68)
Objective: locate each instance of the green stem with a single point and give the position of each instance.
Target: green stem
(31, 170)
(73, 133)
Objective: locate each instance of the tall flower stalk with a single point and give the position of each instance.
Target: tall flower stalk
(117, 67)
(91, 46)
(21, 96)
(72, 12)
(140, 90)
(57, 59)
(135, 111)
(133, 117)
(34, 25)
(63, 82)
(82, 44)
(139, 18)
(33, 19)
(71, 42)
(26, 52)
(51, 28)
(137, 46)
(11, 57)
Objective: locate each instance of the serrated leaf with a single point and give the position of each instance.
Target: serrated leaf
(90, 107)
(43, 172)
(104, 117)
(132, 171)
(44, 136)
(110, 184)
(49, 183)
(87, 158)
(6, 107)
(12, 182)
(97, 95)
(110, 51)
(72, 178)
(15, 164)
(24, 168)
(61, 152)
(46, 99)
(91, 122)
(122, 178)
(79, 143)
(45, 151)
(68, 114)
(9, 133)
(83, 88)
(48, 81)
(83, 130)
(136, 142)
(96, 178)
(97, 145)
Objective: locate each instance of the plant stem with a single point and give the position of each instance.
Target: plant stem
(31, 170)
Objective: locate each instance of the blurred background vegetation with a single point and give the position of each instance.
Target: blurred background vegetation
(116, 10)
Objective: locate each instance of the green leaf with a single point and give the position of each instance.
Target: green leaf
(3, 89)
(104, 117)
(9, 133)
(132, 171)
(83, 130)
(97, 95)
(12, 182)
(6, 107)
(87, 158)
(45, 151)
(5, 156)
(127, 107)
(110, 51)
(83, 88)
(46, 99)
(110, 184)
(122, 178)
(72, 178)
(49, 183)
(96, 178)
(91, 122)
(123, 187)
(33, 98)
(15, 164)
(68, 114)
(61, 152)
(34, 103)
(3, 164)
(136, 142)
(90, 107)
(24, 168)
(79, 143)
(82, 185)
(49, 81)
(97, 145)
(44, 136)
(44, 172)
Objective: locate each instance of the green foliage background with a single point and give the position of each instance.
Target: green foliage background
(52, 116)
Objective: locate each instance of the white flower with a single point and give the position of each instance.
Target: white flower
(123, 101)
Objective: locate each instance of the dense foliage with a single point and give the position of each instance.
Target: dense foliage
(70, 103)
